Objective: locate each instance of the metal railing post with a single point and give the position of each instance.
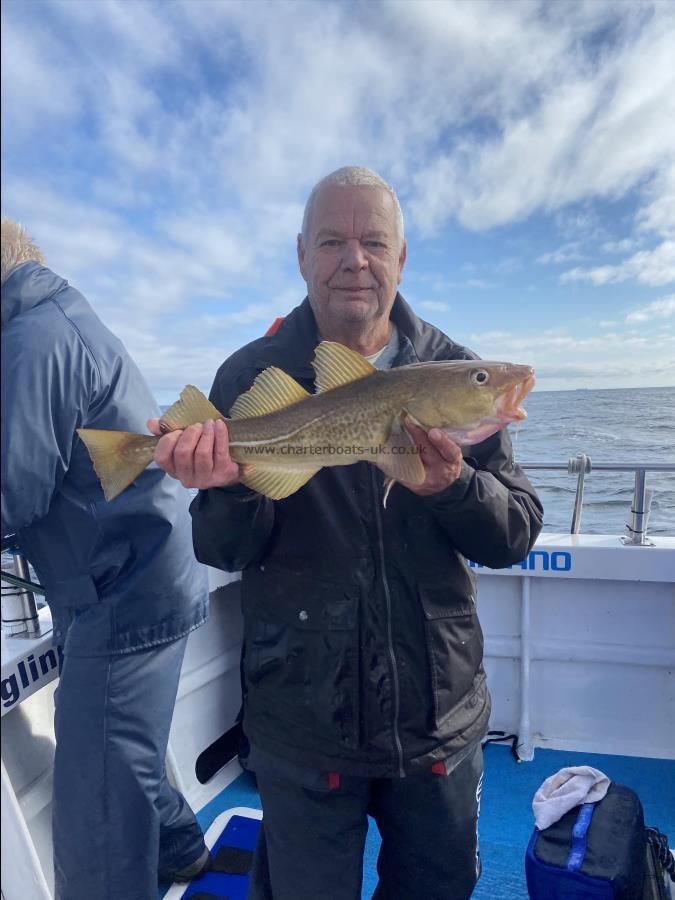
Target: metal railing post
(580, 465)
(19, 609)
(637, 527)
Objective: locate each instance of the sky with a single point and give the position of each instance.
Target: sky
(161, 153)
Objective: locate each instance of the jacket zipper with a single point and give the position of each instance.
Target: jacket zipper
(390, 640)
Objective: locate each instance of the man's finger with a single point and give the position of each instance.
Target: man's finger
(203, 457)
(164, 452)
(184, 454)
(428, 452)
(153, 426)
(225, 470)
(447, 448)
(418, 435)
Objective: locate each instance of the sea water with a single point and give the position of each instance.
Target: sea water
(622, 426)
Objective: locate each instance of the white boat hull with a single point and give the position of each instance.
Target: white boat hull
(579, 651)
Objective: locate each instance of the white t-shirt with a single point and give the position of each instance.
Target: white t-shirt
(387, 354)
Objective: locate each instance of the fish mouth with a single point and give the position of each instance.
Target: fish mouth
(508, 407)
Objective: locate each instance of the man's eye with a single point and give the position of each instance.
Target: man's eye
(374, 244)
(331, 242)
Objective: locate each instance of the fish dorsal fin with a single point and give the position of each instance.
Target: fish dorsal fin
(335, 365)
(193, 408)
(273, 389)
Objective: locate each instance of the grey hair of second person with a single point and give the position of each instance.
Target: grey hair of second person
(17, 247)
(356, 176)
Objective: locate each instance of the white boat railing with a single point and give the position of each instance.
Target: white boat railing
(581, 465)
(19, 609)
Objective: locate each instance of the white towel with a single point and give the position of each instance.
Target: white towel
(567, 788)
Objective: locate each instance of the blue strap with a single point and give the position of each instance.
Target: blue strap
(578, 847)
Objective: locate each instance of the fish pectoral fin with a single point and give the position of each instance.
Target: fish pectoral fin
(119, 457)
(275, 483)
(388, 485)
(193, 408)
(335, 365)
(273, 389)
(399, 458)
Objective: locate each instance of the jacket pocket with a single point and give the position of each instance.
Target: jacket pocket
(301, 653)
(454, 642)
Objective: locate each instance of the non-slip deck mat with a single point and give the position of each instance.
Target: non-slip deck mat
(506, 820)
(232, 851)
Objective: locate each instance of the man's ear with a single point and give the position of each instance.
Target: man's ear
(401, 261)
(301, 257)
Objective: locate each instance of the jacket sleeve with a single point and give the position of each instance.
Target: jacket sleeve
(48, 377)
(231, 526)
(491, 513)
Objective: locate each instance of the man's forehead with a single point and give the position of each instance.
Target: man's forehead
(339, 203)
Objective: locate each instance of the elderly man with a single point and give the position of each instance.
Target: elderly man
(121, 581)
(364, 686)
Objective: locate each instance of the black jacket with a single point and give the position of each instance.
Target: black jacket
(363, 651)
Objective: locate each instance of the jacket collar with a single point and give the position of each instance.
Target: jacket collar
(26, 287)
(293, 344)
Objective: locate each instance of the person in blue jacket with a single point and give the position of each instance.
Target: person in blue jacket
(121, 582)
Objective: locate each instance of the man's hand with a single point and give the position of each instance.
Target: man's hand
(198, 457)
(441, 458)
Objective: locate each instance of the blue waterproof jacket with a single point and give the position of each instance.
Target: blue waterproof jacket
(124, 571)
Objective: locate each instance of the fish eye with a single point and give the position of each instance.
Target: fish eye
(479, 376)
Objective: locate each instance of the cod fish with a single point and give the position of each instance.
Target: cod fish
(280, 435)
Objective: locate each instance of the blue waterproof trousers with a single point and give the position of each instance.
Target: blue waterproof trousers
(117, 821)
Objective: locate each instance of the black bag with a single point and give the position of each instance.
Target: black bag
(660, 867)
(596, 851)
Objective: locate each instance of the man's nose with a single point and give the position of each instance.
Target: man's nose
(354, 257)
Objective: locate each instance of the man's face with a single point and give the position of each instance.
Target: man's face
(354, 257)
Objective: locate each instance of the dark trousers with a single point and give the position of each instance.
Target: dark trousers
(116, 818)
(311, 844)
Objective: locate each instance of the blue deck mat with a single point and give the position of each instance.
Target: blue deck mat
(506, 820)
(240, 832)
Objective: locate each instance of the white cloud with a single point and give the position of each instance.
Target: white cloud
(653, 267)
(659, 309)
(35, 87)
(563, 123)
(508, 265)
(581, 127)
(605, 359)
(658, 213)
(179, 142)
(434, 305)
(622, 246)
(568, 253)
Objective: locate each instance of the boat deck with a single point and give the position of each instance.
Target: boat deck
(506, 820)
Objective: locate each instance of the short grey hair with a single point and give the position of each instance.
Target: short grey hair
(17, 248)
(357, 176)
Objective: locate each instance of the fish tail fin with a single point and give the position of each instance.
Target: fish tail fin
(119, 457)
